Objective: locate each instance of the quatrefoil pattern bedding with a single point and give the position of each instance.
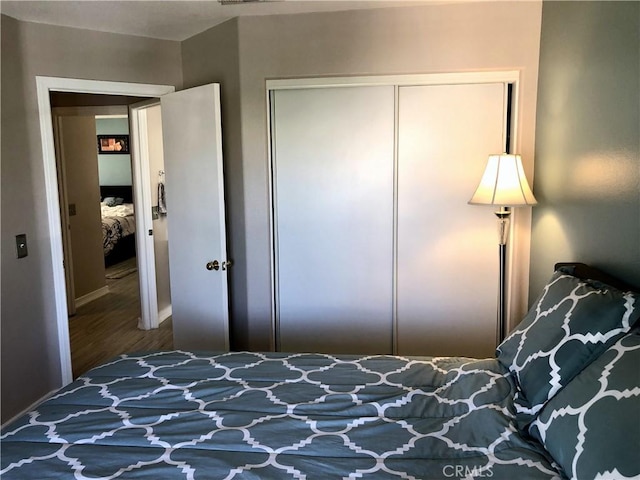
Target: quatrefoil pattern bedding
(184, 415)
(571, 324)
(592, 426)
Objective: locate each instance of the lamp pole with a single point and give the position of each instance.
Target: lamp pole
(503, 215)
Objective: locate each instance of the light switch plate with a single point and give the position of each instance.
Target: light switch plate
(21, 245)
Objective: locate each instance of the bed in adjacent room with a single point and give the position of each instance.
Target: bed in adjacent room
(118, 223)
(561, 399)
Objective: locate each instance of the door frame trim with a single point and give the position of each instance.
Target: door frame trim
(45, 85)
(144, 221)
(422, 79)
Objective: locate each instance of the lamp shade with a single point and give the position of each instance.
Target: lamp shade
(503, 183)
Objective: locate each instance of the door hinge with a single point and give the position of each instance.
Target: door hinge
(151, 233)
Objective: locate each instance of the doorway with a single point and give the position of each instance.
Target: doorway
(45, 86)
(98, 221)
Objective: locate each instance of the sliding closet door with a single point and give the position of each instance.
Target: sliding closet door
(447, 250)
(333, 180)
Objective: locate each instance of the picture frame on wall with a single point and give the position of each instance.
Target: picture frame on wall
(113, 144)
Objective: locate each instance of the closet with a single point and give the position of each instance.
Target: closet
(375, 247)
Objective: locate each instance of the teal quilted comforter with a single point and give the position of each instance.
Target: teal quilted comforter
(240, 415)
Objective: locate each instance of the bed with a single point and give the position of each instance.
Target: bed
(561, 399)
(118, 223)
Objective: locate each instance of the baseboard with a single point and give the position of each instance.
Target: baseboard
(29, 408)
(91, 296)
(164, 314)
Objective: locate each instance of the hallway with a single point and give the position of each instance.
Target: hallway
(108, 326)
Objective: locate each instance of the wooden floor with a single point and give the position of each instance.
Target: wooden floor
(108, 327)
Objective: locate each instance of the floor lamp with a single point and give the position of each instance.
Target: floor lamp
(503, 185)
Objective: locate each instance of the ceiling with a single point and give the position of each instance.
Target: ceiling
(171, 19)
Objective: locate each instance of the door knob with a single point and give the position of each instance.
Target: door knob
(215, 265)
(227, 264)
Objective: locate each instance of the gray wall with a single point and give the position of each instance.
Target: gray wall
(587, 167)
(30, 357)
(435, 38)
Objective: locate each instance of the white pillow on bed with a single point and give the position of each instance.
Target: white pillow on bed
(123, 210)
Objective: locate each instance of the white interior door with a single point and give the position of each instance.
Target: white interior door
(77, 149)
(447, 250)
(64, 216)
(333, 189)
(192, 139)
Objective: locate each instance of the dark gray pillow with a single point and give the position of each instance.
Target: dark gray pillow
(572, 322)
(591, 427)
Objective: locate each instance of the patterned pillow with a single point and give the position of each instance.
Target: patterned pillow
(573, 322)
(591, 428)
